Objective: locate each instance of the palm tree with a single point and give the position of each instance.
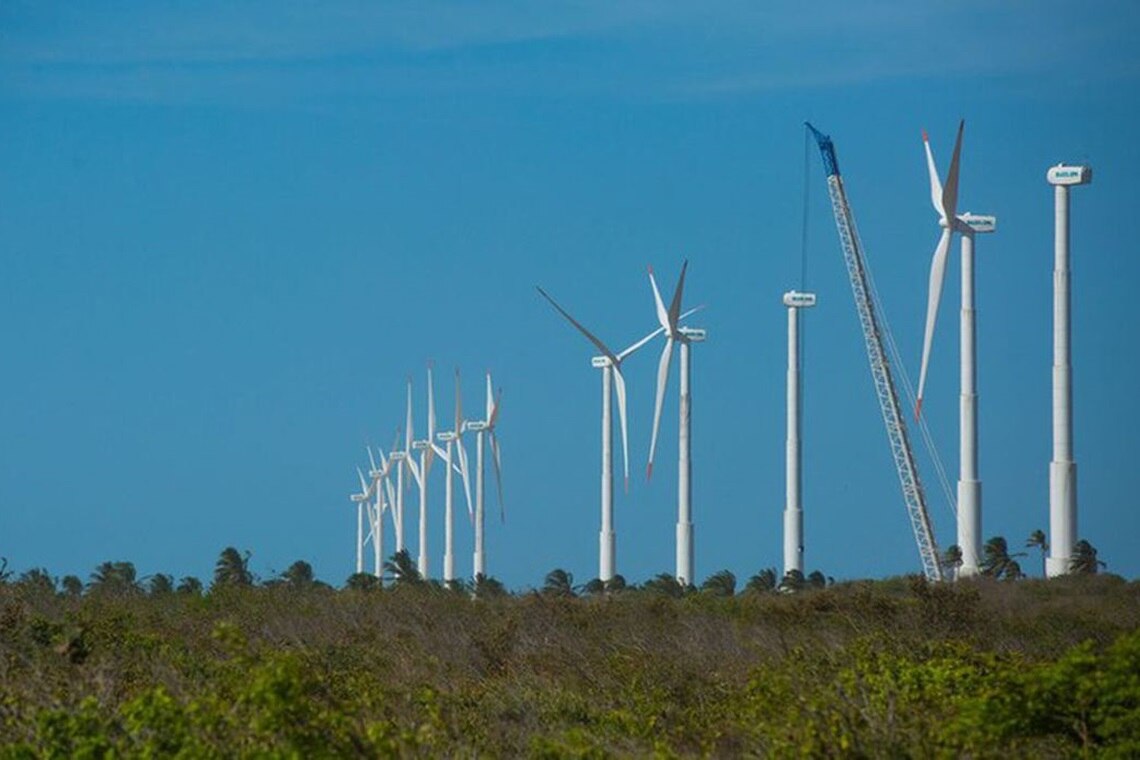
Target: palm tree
(952, 560)
(666, 585)
(615, 585)
(997, 562)
(558, 582)
(71, 585)
(403, 569)
(792, 582)
(362, 582)
(5, 573)
(722, 583)
(817, 579)
(160, 584)
(114, 578)
(1084, 560)
(764, 582)
(38, 580)
(1037, 538)
(189, 585)
(486, 586)
(594, 587)
(232, 568)
(299, 575)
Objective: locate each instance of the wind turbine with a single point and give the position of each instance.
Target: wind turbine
(401, 459)
(360, 500)
(610, 365)
(454, 440)
(685, 336)
(967, 225)
(385, 501)
(428, 449)
(1062, 468)
(793, 509)
(485, 432)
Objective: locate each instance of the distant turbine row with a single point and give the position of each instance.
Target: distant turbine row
(613, 382)
(382, 490)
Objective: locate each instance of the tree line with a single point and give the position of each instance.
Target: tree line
(231, 570)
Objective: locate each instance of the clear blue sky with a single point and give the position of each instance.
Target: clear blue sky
(228, 232)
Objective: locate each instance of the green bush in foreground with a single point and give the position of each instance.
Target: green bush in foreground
(891, 668)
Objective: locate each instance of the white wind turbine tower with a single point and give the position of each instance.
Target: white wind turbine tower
(685, 336)
(454, 440)
(360, 500)
(385, 499)
(428, 450)
(610, 365)
(1062, 469)
(401, 460)
(967, 225)
(793, 509)
(485, 429)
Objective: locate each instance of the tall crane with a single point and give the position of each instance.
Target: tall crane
(880, 367)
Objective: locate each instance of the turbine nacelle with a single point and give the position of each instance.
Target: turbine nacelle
(447, 436)
(358, 498)
(475, 425)
(978, 223)
(797, 300)
(420, 445)
(693, 334)
(601, 362)
(1069, 175)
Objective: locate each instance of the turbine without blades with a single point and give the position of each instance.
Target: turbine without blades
(945, 201)
(610, 364)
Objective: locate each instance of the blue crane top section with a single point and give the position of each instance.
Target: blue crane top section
(826, 149)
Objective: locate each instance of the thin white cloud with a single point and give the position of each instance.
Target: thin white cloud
(298, 48)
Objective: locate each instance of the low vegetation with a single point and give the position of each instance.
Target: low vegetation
(291, 666)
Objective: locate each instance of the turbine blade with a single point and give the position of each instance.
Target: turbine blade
(431, 406)
(490, 409)
(675, 305)
(494, 418)
(497, 460)
(363, 483)
(619, 386)
(371, 459)
(950, 191)
(935, 183)
(662, 314)
(589, 335)
(692, 311)
(655, 333)
(937, 275)
(441, 453)
(408, 436)
(463, 472)
(633, 347)
(662, 379)
(394, 449)
(391, 492)
(458, 406)
(414, 469)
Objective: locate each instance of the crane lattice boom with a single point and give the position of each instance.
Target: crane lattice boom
(880, 367)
